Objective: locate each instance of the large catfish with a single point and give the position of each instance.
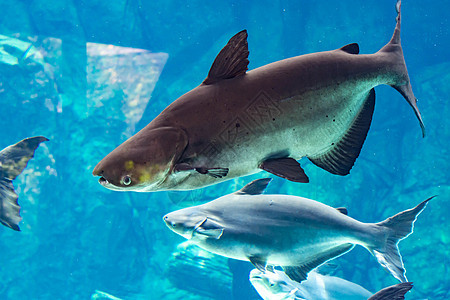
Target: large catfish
(236, 123)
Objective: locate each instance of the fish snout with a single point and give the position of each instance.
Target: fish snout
(98, 171)
(168, 222)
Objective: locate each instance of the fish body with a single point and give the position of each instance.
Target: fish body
(237, 123)
(13, 160)
(276, 285)
(295, 233)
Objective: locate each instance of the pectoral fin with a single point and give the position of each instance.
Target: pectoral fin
(208, 229)
(213, 172)
(299, 273)
(286, 167)
(209, 233)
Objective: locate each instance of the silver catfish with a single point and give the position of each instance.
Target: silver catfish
(236, 123)
(13, 160)
(295, 233)
(275, 285)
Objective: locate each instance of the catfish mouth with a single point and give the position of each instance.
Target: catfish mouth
(136, 188)
(103, 181)
(106, 184)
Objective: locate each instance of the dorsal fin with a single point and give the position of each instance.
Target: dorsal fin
(255, 187)
(232, 60)
(352, 48)
(339, 159)
(342, 210)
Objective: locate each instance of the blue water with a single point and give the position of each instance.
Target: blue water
(60, 79)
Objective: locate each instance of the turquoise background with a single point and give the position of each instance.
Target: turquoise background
(58, 78)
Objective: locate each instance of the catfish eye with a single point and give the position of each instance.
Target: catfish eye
(126, 180)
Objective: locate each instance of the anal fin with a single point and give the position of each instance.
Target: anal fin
(286, 167)
(299, 273)
(341, 157)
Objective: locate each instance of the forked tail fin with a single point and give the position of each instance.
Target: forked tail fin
(394, 230)
(402, 84)
(13, 159)
(394, 292)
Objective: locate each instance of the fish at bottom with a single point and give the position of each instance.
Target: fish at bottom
(295, 233)
(277, 285)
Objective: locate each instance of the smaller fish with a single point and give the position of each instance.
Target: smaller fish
(277, 285)
(295, 233)
(13, 160)
(99, 295)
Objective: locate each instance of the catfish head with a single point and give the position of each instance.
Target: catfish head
(193, 223)
(271, 285)
(185, 221)
(142, 162)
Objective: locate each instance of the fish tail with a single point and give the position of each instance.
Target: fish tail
(397, 291)
(13, 160)
(401, 81)
(393, 230)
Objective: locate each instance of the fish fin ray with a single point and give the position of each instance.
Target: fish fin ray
(342, 210)
(286, 167)
(258, 262)
(14, 158)
(396, 228)
(9, 206)
(393, 292)
(403, 86)
(209, 233)
(232, 60)
(341, 157)
(299, 273)
(256, 187)
(213, 172)
(352, 48)
(208, 228)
